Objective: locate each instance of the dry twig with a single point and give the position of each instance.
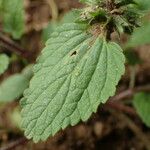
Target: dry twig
(135, 129)
(14, 144)
(54, 9)
(13, 47)
(121, 107)
(130, 92)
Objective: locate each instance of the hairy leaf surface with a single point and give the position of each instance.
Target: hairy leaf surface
(69, 17)
(142, 104)
(74, 74)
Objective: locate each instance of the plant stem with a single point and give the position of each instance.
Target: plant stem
(121, 107)
(13, 47)
(132, 77)
(131, 92)
(54, 9)
(113, 102)
(135, 129)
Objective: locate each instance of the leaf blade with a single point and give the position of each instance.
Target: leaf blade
(70, 67)
(4, 62)
(140, 36)
(142, 104)
(13, 19)
(13, 86)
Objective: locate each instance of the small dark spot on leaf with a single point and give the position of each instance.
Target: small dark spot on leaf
(74, 53)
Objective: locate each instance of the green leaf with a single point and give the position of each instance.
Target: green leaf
(28, 71)
(15, 118)
(4, 62)
(132, 57)
(67, 18)
(14, 86)
(1, 7)
(71, 16)
(140, 36)
(142, 104)
(13, 17)
(74, 74)
(143, 4)
(49, 30)
(90, 1)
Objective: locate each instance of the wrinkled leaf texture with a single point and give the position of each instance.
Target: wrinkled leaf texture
(74, 74)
